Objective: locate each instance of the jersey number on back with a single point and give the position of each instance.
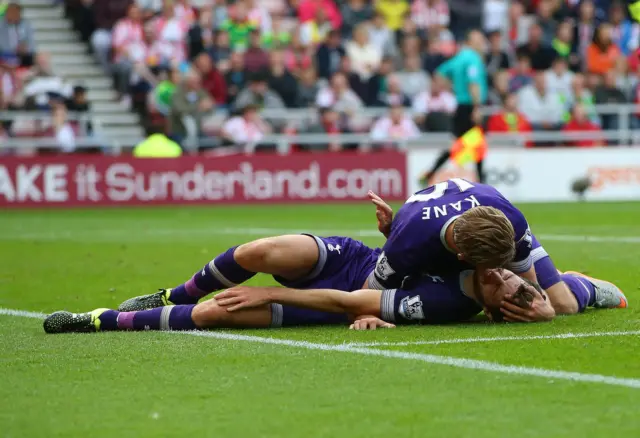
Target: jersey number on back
(439, 190)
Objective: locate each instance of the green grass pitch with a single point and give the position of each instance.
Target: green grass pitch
(171, 384)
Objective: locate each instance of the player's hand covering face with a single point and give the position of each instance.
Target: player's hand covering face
(508, 297)
(384, 213)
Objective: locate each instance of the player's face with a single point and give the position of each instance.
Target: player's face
(495, 284)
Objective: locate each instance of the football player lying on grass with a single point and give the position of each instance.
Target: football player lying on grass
(323, 267)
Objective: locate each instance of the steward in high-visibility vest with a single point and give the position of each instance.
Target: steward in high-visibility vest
(157, 146)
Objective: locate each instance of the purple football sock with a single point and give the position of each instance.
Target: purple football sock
(161, 318)
(581, 288)
(222, 272)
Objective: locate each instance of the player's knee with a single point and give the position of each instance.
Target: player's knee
(208, 314)
(254, 255)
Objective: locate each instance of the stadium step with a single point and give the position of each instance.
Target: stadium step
(32, 4)
(64, 48)
(119, 119)
(40, 14)
(107, 95)
(109, 107)
(57, 37)
(60, 24)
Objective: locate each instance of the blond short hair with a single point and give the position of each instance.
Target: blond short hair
(485, 236)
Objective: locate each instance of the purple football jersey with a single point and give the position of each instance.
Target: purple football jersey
(417, 243)
(429, 299)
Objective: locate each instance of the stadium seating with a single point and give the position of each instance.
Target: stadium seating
(264, 52)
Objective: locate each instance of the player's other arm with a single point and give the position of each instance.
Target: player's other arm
(360, 302)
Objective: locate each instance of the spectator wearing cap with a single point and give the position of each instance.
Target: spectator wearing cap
(212, 80)
(540, 54)
(235, 78)
(433, 109)
(509, 119)
(16, 35)
(413, 79)
(354, 12)
(329, 55)
(395, 126)
(105, 14)
(580, 123)
(602, 54)
(307, 11)
(245, 128)
(255, 58)
(258, 94)
(189, 105)
(543, 108)
(625, 33)
(394, 12)
(280, 80)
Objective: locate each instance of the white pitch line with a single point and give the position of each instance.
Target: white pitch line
(455, 362)
(495, 339)
(22, 313)
(213, 231)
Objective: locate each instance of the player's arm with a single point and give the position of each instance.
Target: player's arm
(360, 302)
(523, 261)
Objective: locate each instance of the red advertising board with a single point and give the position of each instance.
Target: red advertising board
(103, 180)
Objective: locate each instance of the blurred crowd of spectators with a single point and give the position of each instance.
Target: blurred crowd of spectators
(27, 83)
(549, 62)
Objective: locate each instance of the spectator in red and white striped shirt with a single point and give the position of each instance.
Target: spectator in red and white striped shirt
(128, 36)
(428, 13)
(437, 100)
(395, 126)
(245, 128)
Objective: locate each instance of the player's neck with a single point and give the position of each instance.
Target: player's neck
(448, 238)
(471, 286)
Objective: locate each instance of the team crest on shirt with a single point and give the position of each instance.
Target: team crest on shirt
(383, 269)
(411, 308)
